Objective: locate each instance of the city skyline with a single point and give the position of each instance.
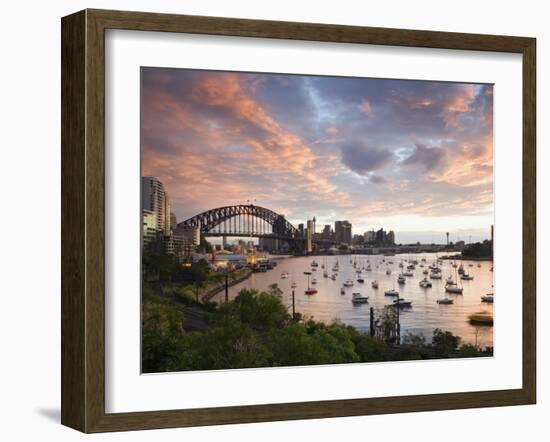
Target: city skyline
(413, 157)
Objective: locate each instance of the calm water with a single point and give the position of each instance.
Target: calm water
(423, 317)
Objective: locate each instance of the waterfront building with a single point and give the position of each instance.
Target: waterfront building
(342, 232)
(390, 237)
(191, 234)
(370, 236)
(173, 221)
(150, 230)
(155, 199)
(176, 245)
(327, 232)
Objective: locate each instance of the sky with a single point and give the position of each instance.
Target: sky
(415, 157)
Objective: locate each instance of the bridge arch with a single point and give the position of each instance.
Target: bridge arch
(209, 220)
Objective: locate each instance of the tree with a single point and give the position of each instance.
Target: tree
(444, 343)
(162, 337)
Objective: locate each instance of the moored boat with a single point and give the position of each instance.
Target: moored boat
(358, 298)
(425, 283)
(481, 318)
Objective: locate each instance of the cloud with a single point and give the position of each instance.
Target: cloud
(363, 159)
(289, 142)
(366, 107)
(429, 158)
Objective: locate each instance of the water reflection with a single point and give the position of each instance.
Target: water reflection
(423, 317)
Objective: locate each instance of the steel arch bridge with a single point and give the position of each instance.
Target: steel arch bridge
(243, 220)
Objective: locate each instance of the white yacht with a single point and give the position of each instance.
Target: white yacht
(391, 292)
(348, 283)
(425, 283)
(401, 302)
(358, 298)
(489, 298)
(454, 289)
(445, 301)
(435, 276)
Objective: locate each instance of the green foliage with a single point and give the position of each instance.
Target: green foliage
(162, 337)
(479, 250)
(468, 351)
(444, 342)
(256, 330)
(159, 267)
(414, 340)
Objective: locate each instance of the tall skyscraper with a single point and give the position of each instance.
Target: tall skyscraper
(155, 199)
(309, 236)
(342, 231)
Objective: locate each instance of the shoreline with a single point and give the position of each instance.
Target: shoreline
(206, 297)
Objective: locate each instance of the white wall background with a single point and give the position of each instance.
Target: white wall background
(30, 216)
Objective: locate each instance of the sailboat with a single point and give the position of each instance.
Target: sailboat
(310, 290)
(454, 288)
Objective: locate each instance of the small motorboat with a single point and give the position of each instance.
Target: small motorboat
(358, 298)
(481, 318)
(307, 273)
(408, 273)
(425, 272)
(401, 302)
(369, 268)
(310, 291)
(425, 283)
(489, 298)
(333, 277)
(450, 281)
(348, 283)
(391, 292)
(401, 279)
(445, 301)
(313, 281)
(388, 272)
(461, 269)
(314, 264)
(325, 274)
(454, 289)
(342, 291)
(293, 285)
(360, 280)
(374, 284)
(435, 275)
(284, 275)
(466, 277)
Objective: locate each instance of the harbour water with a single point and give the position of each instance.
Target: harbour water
(425, 314)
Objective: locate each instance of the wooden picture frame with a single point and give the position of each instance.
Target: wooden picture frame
(83, 220)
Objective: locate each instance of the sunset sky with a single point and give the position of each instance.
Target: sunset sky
(413, 157)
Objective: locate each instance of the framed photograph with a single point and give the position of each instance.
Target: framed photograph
(269, 220)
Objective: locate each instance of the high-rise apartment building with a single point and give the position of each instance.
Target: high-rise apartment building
(342, 232)
(155, 199)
